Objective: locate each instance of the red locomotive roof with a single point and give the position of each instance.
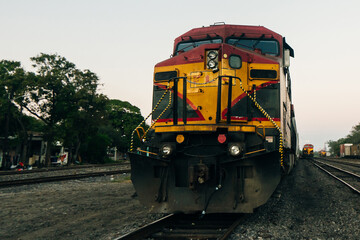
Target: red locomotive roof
(308, 146)
(226, 31)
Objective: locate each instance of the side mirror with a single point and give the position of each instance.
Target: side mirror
(286, 58)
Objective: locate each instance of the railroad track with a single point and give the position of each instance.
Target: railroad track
(343, 162)
(52, 169)
(348, 178)
(188, 226)
(28, 181)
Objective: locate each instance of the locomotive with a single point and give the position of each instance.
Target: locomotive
(308, 151)
(223, 127)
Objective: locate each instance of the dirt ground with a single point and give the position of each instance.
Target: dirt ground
(307, 205)
(99, 208)
(312, 205)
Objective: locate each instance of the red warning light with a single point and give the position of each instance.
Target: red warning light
(221, 138)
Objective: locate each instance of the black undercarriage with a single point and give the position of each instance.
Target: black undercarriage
(202, 176)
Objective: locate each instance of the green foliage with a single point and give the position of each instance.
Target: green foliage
(96, 148)
(12, 85)
(33, 124)
(65, 99)
(52, 89)
(65, 105)
(12, 88)
(123, 119)
(353, 137)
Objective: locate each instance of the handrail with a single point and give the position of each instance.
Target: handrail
(157, 105)
(175, 103)
(165, 109)
(261, 135)
(281, 150)
(139, 133)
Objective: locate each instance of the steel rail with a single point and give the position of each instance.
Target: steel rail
(192, 226)
(340, 162)
(231, 229)
(148, 229)
(339, 179)
(52, 169)
(28, 181)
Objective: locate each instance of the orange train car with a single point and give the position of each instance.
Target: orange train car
(355, 150)
(349, 150)
(223, 125)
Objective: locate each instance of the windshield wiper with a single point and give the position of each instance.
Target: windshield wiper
(240, 38)
(183, 49)
(257, 41)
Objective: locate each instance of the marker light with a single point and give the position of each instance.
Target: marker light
(222, 138)
(180, 138)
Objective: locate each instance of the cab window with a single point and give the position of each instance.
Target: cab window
(266, 46)
(186, 46)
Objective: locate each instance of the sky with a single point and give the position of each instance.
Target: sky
(121, 41)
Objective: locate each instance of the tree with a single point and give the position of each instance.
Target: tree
(62, 96)
(123, 119)
(65, 100)
(335, 146)
(12, 88)
(95, 148)
(353, 137)
(83, 124)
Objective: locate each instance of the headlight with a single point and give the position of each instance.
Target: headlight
(235, 149)
(212, 59)
(166, 150)
(212, 55)
(211, 64)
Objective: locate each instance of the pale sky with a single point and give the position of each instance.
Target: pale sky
(121, 41)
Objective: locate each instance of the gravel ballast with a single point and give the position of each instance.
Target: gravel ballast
(307, 205)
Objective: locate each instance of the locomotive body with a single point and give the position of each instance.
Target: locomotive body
(308, 151)
(223, 126)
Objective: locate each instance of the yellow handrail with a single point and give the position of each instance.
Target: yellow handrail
(281, 149)
(157, 105)
(263, 135)
(137, 131)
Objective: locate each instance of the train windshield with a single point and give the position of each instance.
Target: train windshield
(186, 46)
(266, 46)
